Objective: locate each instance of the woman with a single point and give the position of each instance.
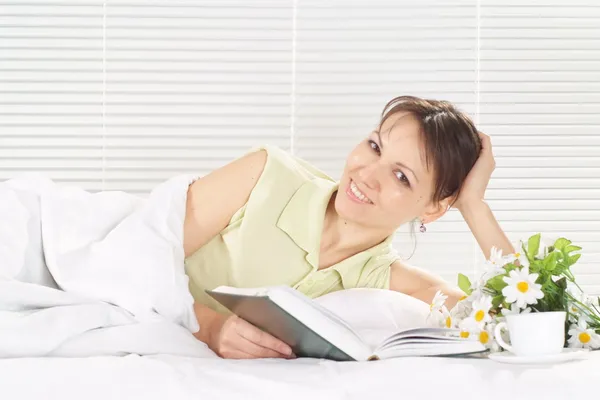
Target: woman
(269, 218)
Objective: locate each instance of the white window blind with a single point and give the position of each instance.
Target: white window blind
(120, 95)
(539, 99)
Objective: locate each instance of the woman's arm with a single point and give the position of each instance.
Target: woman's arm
(485, 228)
(473, 207)
(211, 202)
(421, 284)
(213, 199)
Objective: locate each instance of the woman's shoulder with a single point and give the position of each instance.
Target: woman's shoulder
(283, 164)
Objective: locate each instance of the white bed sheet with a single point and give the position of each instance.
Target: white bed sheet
(173, 377)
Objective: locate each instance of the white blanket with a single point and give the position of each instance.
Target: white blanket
(85, 274)
(174, 377)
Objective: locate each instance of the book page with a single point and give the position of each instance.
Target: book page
(326, 312)
(409, 342)
(430, 333)
(432, 349)
(322, 321)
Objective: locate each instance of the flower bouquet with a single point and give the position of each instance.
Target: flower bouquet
(538, 279)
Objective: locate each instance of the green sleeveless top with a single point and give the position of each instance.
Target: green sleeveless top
(275, 238)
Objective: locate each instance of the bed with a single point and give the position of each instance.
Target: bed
(171, 377)
(77, 321)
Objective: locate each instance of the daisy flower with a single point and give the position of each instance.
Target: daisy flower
(518, 256)
(575, 312)
(491, 270)
(522, 288)
(481, 310)
(582, 336)
(496, 257)
(492, 267)
(438, 301)
(448, 318)
(468, 328)
(486, 337)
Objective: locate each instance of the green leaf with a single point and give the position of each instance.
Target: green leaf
(561, 283)
(550, 261)
(536, 266)
(533, 246)
(561, 243)
(573, 259)
(497, 283)
(464, 284)
(509, 267)
(570, 248)
(497, 300)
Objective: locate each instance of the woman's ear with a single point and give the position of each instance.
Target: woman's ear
(436, 211)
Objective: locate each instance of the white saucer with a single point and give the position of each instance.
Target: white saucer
(566, 354)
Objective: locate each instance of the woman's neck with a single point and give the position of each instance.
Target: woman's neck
(341, 239)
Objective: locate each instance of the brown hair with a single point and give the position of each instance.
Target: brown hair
(451, 140)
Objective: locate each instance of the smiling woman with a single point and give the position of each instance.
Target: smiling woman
(270, 218)
(412, 165)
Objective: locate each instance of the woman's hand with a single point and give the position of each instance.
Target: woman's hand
(475, 184)
(233, 337)
(477, 214)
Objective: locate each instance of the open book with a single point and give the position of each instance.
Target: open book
(312, 330)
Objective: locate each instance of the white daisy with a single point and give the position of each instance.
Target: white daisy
(491, 270)
(582, 336)
(518, 256)
(476, 294)
(486, 337)
(438, 301)
(481, 310)
(476, 286)
(448, 319)
(575, 312)
(522, 288)
(496, 257)
(469, 328)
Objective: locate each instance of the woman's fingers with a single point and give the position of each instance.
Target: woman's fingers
(237, 354)
(261, 339)
(257, 351)
(486, 141)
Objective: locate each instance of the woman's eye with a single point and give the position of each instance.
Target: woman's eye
(402, 178)
(374, 146)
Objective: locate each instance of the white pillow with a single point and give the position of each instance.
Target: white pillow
(376, 313)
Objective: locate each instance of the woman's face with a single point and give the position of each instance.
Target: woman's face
(385, 182)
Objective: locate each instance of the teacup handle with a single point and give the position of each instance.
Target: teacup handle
(498, 336)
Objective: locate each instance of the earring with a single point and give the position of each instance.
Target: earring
(422, 228)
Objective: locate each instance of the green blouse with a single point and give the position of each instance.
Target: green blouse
(274, 239)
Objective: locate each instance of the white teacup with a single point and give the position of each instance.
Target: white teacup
(534, 334)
